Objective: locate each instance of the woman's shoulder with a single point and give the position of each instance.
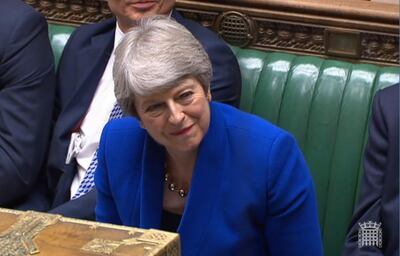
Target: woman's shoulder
(125, 134)
(246, 124)
(124, 123)
(126, 126)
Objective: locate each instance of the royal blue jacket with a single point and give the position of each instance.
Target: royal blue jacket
(27, 92)
(251, 191)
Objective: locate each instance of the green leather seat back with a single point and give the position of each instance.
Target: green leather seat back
(58, 35)
(325, 104)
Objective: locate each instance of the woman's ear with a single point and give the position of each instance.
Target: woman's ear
(135, 114)
(209, 97)
(140, 120)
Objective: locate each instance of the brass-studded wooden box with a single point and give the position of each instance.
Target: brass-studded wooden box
(42, 234)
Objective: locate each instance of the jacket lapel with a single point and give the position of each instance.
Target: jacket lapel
(151, 198)
(206, 181)
(201, 199)
(91, 63)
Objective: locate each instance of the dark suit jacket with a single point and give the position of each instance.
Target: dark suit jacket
(379, 198)
(251, 191)
(82, 65)
(27, 88)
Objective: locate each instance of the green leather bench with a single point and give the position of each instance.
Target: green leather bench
(325, 104)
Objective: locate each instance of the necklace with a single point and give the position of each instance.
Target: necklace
(172, 187)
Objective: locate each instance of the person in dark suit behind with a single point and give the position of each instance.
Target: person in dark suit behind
(86, 97)
(379, 198)
(229, 182)
(27, 88)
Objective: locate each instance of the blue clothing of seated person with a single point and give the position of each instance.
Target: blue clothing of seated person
(27, 91)
(240, 184)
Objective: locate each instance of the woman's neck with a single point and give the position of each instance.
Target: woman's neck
(180, 165)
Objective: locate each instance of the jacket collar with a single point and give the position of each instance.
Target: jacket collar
(177, 16)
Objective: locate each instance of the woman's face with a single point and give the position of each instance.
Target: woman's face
(177, 118)
(129, 11)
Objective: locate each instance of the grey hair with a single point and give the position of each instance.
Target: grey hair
(154, 56)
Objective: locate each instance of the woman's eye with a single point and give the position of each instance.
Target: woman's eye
(186, 95)
(154, 108)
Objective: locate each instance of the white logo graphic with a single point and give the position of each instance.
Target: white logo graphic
(370, 234)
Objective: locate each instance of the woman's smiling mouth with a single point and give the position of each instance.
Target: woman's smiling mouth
(183, 131)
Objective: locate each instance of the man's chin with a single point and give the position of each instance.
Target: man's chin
(135, 17)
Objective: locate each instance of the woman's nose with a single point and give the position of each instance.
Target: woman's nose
(176, 114)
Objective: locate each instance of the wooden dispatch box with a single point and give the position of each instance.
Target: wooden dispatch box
(42, 234)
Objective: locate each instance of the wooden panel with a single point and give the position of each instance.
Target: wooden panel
(356, 31)
(311, 27)
(72, 12)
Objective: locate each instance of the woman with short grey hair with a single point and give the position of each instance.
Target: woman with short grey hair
(228, 182)
(146, 62)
